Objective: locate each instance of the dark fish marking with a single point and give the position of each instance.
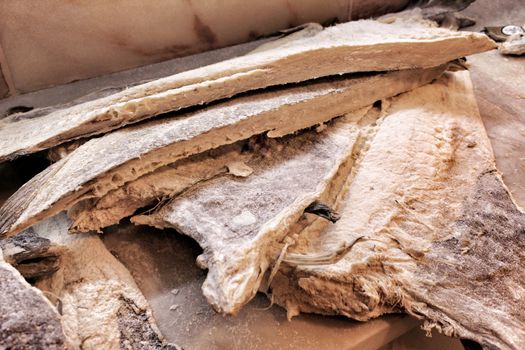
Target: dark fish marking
(323, 210)
(489, 270)
(18, 109)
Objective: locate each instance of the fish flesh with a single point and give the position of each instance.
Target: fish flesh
(340, 49)
(427, 226)
(106, 163)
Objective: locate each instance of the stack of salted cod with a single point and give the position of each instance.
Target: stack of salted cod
(312, 189)
(426, 224)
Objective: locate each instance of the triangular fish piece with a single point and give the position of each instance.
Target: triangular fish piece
(360, 46)
(106, 163)
(239, 221)
(427, 227)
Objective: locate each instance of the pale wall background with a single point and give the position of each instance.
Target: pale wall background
(50, 42)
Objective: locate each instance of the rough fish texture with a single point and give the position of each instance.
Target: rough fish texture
(27, 318)
(427, 226)
(104, 164)
(166, 182)
(238, 221)
(345, 48)
(131, 33)
(33, 256)
(102, 308)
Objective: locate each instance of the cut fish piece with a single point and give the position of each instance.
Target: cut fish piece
(427, 226)
(33, 256)
(27, 318)
(239, 221)
(102, 307)
(345, 48)
(167, 182)
(95, 214)
(104, 164)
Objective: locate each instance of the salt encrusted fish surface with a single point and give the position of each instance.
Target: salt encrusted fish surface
(344, 48)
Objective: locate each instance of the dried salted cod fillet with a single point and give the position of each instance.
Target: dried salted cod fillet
(345, 48)
(27, 318)
(104, 164)
(427, 226)
(102, 307)
(95, 214)
(237, 221)
(33, 256)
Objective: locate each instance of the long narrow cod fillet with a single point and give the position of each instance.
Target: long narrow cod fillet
(344, 48)
(106, 163)
(163, 184)
(238, 221)
(101, 306)
(427, 226)
(155, 188)
(166, 182)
